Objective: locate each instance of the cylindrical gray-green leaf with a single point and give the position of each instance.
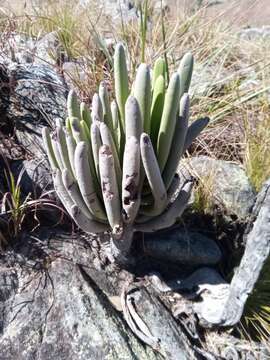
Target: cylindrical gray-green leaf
(86, 137)
(107, 139)
(134, 126)
(121, 81)
(73, 105)
(170, 216)
(177, 142)
(194, 130)
(74, 192)
(153, 175)
(157, 108)
(87, 225)
(85, 132)
(142, 92)
(76, 129)
(159, 70)
(56, 153)
(71, 146)
(110, 188)
(96, 144)
(104, 97)
(131, 179)
(85, 181)
(85, 114)
(62, 147)
(97, 110)
(168, 120)
(185, 71)
(48, 147)
(61, 191)
(67, 124)
(116, 125)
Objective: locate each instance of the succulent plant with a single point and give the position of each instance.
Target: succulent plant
(114, 168)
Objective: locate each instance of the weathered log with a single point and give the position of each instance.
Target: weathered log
(221, 304)
(256, 252)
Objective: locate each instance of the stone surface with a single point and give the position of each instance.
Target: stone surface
(48, 50)
(207, 79)
(126, 9)
(34, 97)
(255, 33)
(36, 177)
(116, 8)
(227, 183)
(59, 315)
(210, 79)
(52, 306)
(25, 50)
(74, 72)
(173, 345)
(55, 304)
(17, 48)
(180, 246)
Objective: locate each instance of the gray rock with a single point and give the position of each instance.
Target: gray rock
(55, 305)
(249, 84)
(52, 306)
(227, 182)
(182, 247)
(126, 9)
(116, 8)
(74, 72)
(255, 33)
(210, 79)
(36, 177)
(48, 50)
(207, 79)
(2, 177)
(27, 51)
(35, 97)
(173, 345)
(18, 48)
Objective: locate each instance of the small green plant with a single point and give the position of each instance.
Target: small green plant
(114, 168)
(15, 208)
(12, 204)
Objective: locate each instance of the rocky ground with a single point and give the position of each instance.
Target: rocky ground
(59, 296)
(242, 12)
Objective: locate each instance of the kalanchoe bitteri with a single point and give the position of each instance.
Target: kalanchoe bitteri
(113, 167)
